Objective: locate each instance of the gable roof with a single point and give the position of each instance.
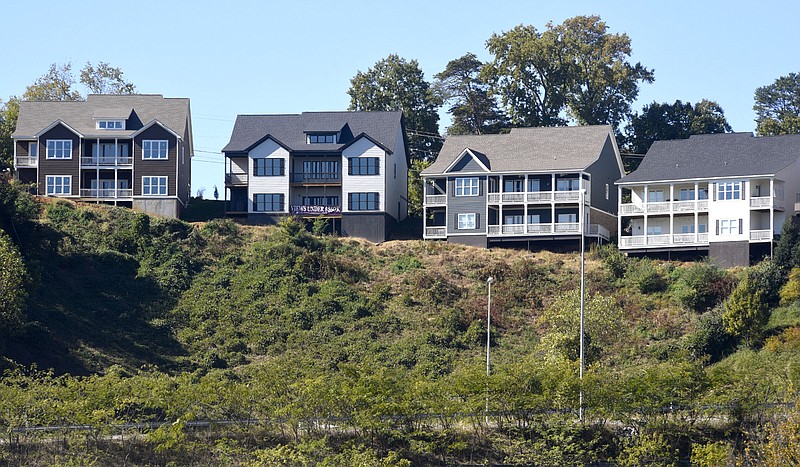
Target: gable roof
(528, 149)
(172, 113)
(716, 156)
(382, 128)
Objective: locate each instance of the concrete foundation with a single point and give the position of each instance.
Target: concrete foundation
(164, 207)
(729, 254)
(470, 240)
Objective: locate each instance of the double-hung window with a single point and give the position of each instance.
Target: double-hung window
(268, 167)
(467, 186)
(33, 150)
(655, 196)
(59, 149)
(466, 221)
(364, 166)
(729, 226)
(568, 184)
(268, 202)
(729, 190)
(363, 201)
(154, 149)
(687, 194)
(59, 184)
(154, 186)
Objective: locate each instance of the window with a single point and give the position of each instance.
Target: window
(59, 184)
(568, 184)
(729, 226)
(111, 124)
(567, 218)
(364, 166)
(534, 184)
(655, 196)
(653, 230)
(466, 221)
(154, 149)
(33, 150)
(729, 190)
(687, 194)
(268, 167)
(701, 228)
(702, 193)
(59, 149)
(362, 201)
(514, 219)
(320, 170)
(105, 152)
(467, 186)
(687, 229)
(608, 191)
(534, 219)
(513, 186)
(321, 138)
(268, 202)
(320, 200)
(154, 186)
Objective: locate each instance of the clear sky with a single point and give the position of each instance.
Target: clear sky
(236, 57)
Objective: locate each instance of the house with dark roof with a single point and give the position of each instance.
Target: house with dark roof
(532, 184)
(725, 194)
(125, 150)
(348, 167)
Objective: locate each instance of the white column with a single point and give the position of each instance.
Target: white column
(619, 215)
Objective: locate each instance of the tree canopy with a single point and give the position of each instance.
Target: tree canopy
(673, 121)
(474, 111)
(105, 79)
(777, 106)
(395, 83)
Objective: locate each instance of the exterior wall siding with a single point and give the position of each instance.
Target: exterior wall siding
(399, 185)
(270, 184)
(464, 205)
(365, 183)
(732, 209)
(59, 166)
(155, 168)
(371, 226)
(605, 171)
(467, 164)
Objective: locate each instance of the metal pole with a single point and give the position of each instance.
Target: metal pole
(489, 281)
(583, 235)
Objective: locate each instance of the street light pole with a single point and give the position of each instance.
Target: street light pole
(489, 281)
(583, 236)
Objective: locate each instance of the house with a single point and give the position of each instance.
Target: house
(126, 150)
(724, 194)
(532, 184)
(348, 167)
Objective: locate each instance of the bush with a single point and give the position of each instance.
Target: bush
(790, 292)
(746, 313)
(650, 449)
(711, 455)
(646, 276)
(613, 260)
(702, 286)
(710, 338)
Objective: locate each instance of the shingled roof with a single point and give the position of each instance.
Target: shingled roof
(35, 116)
(528, 149)
(290, 130)
(716, 156)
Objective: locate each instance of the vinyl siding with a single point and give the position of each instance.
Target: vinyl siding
(397, 188)
(467, 164)
(605, 171)
(155, 168)
(59, 166)
(466, 204)
(272, 184)
(366, 183)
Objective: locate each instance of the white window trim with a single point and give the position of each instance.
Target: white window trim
(467, 189)
(31, 145)
(116, 124)
(55, 142)
(68, 185)
(732, 227)
(466, 221)
(158, 142)
(159, 178)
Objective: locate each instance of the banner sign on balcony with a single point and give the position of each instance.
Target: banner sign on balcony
(300, 209)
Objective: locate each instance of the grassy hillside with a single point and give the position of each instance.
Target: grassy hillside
(153, 320)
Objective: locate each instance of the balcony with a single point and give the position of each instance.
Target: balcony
(106, 161)
(436, 232)
(664, 240)
(760, 235)
(534, 197)
(315, 210)
(558, 228)
(665, 207)
(25, 161)
(317, 178)
(766, 202)
(236, 179)
(106, 193)
(435, 200)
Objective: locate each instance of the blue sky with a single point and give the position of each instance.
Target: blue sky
(288, 57)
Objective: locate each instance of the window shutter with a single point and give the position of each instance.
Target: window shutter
(717, 226)
(743, 192)
(714, 198)
(283, 166)
(477, 220)
(741, 227)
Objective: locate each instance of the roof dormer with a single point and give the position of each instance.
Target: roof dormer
(322, 137)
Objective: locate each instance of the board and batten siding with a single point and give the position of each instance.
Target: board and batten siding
(155, 168)
(271, 184)
(397, 187)
(364, 183)
(59, 166)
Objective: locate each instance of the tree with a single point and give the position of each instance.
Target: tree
(746, 313)
(12, 291)
(473, 110)
(777, 106)
(673, 121)
(216, 193)
(55, 85)
(8, 121)
(105, 79)
(395, 83)
(575, 69)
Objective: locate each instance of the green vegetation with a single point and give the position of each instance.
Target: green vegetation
(222, 344)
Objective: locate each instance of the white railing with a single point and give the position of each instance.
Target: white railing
(513, 197)
(683, 206)
(684, 238)
(494, 230)
(534, 197)
(563, 227)
(513, 229)
(598, 230)
(659, 207)
(759, 235)
(659, 239)
(540, 196)
(702, 205)
(567, 195)
(431, 200)
(106, 193)
(760, 202)
(664, 240)
(494, 198)
(638, 240)
(106, 161)
(25, 161)
(431, 232)
(540, 228)
(631, 209)
(664, 207)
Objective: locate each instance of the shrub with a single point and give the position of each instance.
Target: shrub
(649, 449)
(613, 260)
(710, 337)
(711, 454)
(703, 286)
(746, 313)
(790, 292)
(646, 276)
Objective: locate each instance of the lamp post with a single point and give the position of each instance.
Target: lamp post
(489, 281)
(583, 239)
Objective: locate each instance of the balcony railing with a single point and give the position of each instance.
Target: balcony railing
(236, 179)
(665, 207)
(106, 193)
(316, 210)
(316, 177)
(766, 202)
(436, 232)
(106, 161)
(534, 197)
(546, 228)
(25, 161)
(435, 200)
(664, 240)
(760, 235)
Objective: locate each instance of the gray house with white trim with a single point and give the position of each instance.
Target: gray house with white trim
(127, 150)
(725, 194)
(532, 184)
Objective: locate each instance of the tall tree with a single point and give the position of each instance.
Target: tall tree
(777, 106)
(572, 71)
(55, 85)
(8, 122)
(673, 121)
(474, 111)
(395, 83)
(105, 79)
